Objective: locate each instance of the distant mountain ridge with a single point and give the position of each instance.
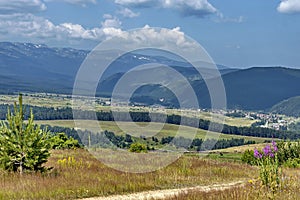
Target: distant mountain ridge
(39, 68)
(256, 88)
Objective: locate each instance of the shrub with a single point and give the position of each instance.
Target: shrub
(138, 148)
(292, 163)
(248, 157)
(288, 154)
(62, 141)
(288, 151)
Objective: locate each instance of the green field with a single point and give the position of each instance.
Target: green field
(130, 127)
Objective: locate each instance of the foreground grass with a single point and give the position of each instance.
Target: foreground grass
(167, 130)
(252, 190)
(77, 174)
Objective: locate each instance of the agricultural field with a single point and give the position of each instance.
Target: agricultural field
(239, 149)
(36, 99)
(62, 101)
(167, 129)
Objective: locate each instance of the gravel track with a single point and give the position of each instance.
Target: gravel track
(162, 194)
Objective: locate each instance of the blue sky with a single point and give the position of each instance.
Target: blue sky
(235, 33)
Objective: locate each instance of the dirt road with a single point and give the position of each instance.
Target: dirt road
(161, 194)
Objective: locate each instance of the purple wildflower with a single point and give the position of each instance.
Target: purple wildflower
(275, 148)
(267, 150)
(271, 155)
(257, 154)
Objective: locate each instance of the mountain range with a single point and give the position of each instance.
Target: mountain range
(26, 67)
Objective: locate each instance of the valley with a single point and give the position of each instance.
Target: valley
(262, 110)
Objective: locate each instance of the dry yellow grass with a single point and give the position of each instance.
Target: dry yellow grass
(240, 149)
(77, 174)
(252, 190)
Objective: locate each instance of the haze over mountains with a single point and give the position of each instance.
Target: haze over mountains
(39, 68)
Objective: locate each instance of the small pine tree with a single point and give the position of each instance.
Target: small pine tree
(23, 146)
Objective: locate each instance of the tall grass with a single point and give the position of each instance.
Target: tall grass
(253, 190)
(77, 174)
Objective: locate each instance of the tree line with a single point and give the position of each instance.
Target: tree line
(45, 113)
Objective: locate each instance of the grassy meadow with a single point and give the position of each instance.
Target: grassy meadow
(77, 174)
(252, 190)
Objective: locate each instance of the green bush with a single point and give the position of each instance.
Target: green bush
(138, 148)
(288, 151)
(292, 163)
(248, 157)
(62, 141)
(288, 154)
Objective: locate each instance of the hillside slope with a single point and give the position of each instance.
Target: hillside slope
(290, 107)
(261, 88)
(257, 88)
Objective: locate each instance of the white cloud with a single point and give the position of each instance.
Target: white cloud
(137, 3)
(150, 36)
(26, 25)
(82, 3)
(198, 8)
(111, 21)
(29, 26)
(126, 12)
(222, 19)
(289, 6)
(21, 6)
(71, 31)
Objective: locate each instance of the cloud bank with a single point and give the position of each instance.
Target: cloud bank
(29, 25)
(21, 19)
(21, 6)
(289, 6)
(198, 8)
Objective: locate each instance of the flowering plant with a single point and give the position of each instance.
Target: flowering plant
(268, 163)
